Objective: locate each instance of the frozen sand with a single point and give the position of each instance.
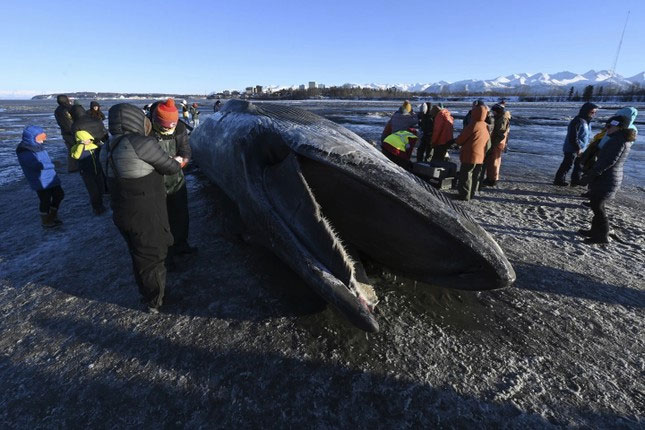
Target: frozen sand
(247, 347)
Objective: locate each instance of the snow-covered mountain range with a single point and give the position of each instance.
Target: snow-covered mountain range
(538, 83)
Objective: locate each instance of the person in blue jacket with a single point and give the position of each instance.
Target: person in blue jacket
(577, 139)
(40, 173)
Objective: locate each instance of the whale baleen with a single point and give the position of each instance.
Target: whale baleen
(318, 196)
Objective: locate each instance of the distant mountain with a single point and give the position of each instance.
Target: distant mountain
(538, 83)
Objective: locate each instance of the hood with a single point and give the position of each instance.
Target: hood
(479, 113)
(630, 113)
(77, 112)
(63, 100)
(126, 118)
(94, 103)
(29, 138)
(586, 108)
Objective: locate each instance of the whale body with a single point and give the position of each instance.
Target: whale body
(319, 196)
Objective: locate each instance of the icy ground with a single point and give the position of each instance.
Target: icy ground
(249, 346)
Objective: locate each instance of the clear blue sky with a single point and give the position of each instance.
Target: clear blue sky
(198, 46)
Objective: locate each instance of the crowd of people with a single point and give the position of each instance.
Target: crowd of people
(139, 159)
(597, 162)
(482, 141)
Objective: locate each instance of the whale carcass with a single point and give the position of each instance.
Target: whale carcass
(317, 195)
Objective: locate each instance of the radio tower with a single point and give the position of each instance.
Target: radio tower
(612, 72)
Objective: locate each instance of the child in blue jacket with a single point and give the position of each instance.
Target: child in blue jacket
(39, 171)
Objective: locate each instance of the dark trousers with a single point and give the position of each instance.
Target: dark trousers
(50, 198)
(406, 164)
(177, 205)
(94, 183)
(424, 149)
(468, 183)
(439, 153)
(570, 159)
(72, 164)
(139, 212)
(600, 222)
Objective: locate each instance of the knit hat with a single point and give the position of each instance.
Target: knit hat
(82, 136)
(40, 138)
(407, 107)
(166, 114)
(617, 121)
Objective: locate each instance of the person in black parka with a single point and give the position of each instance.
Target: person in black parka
(606, 176)
(64, 119)
(134, 164)
(88, 161)
(95, 110)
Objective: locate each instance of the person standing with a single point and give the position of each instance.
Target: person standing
(41, 175)
(184, 111)
(473, 140)
(442, 131)
(64, 119)
(498, 137)
(95, 111)
(217, 106)
(425, 124)
(134, 164)
(577, 139)
(194, 113)
(86, 151)
(606, 176)
(173, 139)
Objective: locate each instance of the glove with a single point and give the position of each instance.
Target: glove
(587, 178)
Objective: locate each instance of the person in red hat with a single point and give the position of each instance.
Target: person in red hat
(173, 139)
(194, 114)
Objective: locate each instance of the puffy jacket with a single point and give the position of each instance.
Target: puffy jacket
(64, 118)
(130, 154)
(442, 129)
(35, 162)
(403, 121)
(579, 131)
(474, 138)
(83, 121)
(607, 171)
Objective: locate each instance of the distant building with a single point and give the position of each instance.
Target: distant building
(312, 85)
(249, 90)
(302, 87)
(226, 93)
(321, 86)
(258, 89)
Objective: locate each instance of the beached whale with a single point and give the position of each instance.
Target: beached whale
(317, 195)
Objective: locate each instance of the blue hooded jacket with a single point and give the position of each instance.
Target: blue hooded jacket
(579, 131)
(35, 162)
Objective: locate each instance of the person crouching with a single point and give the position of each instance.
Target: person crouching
(134, 164)
(606, 176)
(40, 173)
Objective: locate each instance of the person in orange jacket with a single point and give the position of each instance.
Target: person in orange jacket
(498, 137)
(442, 131)
(473, 140)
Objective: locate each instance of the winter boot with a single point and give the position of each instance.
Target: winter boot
(53, 212)
(47, 221)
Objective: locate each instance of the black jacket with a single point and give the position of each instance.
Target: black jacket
(95, 127)
(130, 154)
(64, 118)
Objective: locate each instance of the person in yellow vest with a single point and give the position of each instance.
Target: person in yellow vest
(86, 151)
(398, 139)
